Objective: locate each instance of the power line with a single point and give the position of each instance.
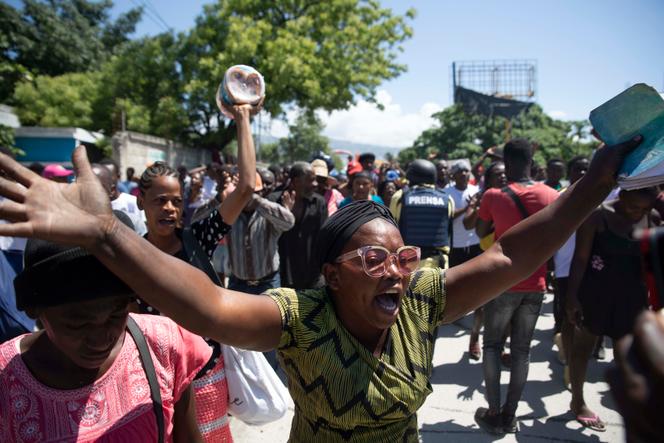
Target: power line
(147, 14)
(150, 16)
(149, 5)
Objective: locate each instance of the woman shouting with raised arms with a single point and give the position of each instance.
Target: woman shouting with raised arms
(354, 353)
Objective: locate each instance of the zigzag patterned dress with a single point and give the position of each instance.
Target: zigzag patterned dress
(342, 392)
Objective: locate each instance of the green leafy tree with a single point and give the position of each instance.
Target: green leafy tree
(461, 135)
(314, 55)
(7, 140)
(553, 138)
(66, 100)
(144, 83)
(6, 136)
(269, 153)
(304, 139)
(105, 147)
(139, 88)
(456, 135)
(55, 37)
(11, 74)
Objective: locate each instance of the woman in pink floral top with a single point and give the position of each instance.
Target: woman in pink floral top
(81, 379)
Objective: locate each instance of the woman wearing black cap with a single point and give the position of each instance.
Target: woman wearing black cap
(358, 351)
(61, 383)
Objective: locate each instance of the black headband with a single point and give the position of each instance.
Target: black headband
(340, 227)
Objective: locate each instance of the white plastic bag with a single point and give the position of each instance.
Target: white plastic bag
(256, 395)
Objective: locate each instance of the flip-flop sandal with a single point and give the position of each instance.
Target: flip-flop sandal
(593, 422)
(474, 351)
(558, 341)
(566, 378)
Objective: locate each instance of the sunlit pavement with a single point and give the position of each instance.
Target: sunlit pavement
(458, 390)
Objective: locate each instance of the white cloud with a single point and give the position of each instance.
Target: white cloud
(365, 123)
(278, 127)
(559, 115)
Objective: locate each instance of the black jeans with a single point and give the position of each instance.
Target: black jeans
(462, 255)
(520, 310)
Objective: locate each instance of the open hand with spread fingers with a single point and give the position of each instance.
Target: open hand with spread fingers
(78, 213)
(288, 199)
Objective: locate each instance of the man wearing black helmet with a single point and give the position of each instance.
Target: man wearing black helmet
(424, 213)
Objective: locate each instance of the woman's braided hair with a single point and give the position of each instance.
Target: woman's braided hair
(157, 169)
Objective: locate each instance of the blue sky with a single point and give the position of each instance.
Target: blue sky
(587, 51)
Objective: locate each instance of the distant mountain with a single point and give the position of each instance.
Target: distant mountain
(359, 148)
(355, 148)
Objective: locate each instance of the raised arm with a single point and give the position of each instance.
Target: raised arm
(523, 248)
(186, 294)
(491, 152)
(232, 206)
(280, 217)
(472, 212)
(80, 214)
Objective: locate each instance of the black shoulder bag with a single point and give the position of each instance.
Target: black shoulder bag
(151, 374)
(197, 257)
(517, 201)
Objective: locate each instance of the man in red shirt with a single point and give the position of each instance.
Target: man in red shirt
(519, 307)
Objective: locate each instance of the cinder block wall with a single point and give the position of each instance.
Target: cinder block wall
(141, 150)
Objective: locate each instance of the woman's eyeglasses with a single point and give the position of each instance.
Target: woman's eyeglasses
(376, 259)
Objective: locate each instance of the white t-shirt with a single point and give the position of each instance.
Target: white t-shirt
(462, 237)
(209, 188)
(563, 257)
(127, 204)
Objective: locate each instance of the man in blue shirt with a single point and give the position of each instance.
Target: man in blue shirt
(12, 321)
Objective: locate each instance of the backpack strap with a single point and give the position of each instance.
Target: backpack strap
(151, 374)
(517, 201)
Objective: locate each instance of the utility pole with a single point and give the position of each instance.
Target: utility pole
(258, 139)
(454, 82)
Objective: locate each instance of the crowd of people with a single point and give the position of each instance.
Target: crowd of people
(341, 276)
